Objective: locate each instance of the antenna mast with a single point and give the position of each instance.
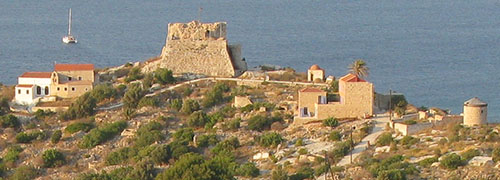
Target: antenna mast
(69, 24)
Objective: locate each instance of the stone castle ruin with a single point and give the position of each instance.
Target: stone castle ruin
(200, 48)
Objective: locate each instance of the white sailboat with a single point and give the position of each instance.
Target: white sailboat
(69, 38)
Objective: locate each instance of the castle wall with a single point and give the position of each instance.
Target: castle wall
(199, 48)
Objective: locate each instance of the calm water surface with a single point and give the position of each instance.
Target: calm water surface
(438, 53)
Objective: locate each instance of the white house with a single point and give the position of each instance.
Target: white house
(32, 86)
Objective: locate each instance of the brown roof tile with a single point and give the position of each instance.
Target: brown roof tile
(25, 85)
(74, 67)
(36, 75)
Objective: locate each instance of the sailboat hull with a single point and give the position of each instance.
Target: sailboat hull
(69, 39)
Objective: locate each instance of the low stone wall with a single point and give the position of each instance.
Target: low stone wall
(416, 128)
(53, 109)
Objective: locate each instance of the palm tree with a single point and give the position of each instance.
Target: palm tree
(358, 68)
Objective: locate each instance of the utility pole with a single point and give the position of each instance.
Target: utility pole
(390, 106)
(352, 142)
(199, 14)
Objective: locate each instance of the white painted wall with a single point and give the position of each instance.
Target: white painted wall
(22, 97)
(40, 82)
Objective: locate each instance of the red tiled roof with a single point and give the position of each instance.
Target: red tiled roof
(24, 85)
(351, 78)
(74, 67)
(36, 75)
(308, 89)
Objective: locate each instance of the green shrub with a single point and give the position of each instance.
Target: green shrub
(469, 154)
(9, 121)
(103, 91)
(102, 134)
(207, 140)
(226, 146)
(83, 107)
(187, 92)
(232, 125)
(330, 122)
(25, 173)
(341, 149)
(23, 137)
(335, 136)
(302, 151)
(197, 119)
(4, 105)
(496, 154)
(428, 162)
(257, 106)
(134, 74)
(271, 139)
(56, 136)
(41, 114)
(392, 168)
(120, 156)
(148, 134)
(279, 173)
(184, 135)
(148, 102)
(303, 173)
(176, 104)
(53, 158)
(164, 76)
(385, 139)
(189, 106)
(248, 170)
(147, 82)
(79, 126)
(452, 161)
(408, 140)
(215, 95)
(194, 166)
(12, 154)
(260, 123)
(133, 95)
(299, 142)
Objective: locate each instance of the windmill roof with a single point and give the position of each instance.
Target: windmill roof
(475, 102)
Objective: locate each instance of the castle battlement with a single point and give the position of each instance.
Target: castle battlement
(195, 30)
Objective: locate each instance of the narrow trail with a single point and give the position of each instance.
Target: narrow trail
(156, 92)
(380, 123)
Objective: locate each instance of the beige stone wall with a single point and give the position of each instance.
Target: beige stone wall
(309, 99)
(475, 115)
(70, 90)
(195, 30)
(315, 74)
(53, 109)
(75, 76)
(241, 101)
(201, 49)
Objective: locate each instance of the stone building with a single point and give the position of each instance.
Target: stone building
(356, 98)
(315, 73)
(199, 48)
(475, 112)
(66, 81)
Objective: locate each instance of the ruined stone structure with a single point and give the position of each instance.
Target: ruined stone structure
(475, 112)
(315, 73)
(200, 48)
(356, 100)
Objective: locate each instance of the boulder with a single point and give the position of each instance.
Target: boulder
(260, 156)
(481, 161)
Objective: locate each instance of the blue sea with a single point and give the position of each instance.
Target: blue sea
(438, 53)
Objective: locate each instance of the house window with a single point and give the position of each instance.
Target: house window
(38, 90)
(18, 91)
(27, 91)
(65, 89)
(46, 90)
(86, 89)
(80, 78)
(69, 78)
(305, 111)
(58, 88)
(72, 88)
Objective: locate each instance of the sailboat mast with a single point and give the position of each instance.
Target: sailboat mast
(69, 24)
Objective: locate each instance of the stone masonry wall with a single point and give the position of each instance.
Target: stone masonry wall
(199, 48)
